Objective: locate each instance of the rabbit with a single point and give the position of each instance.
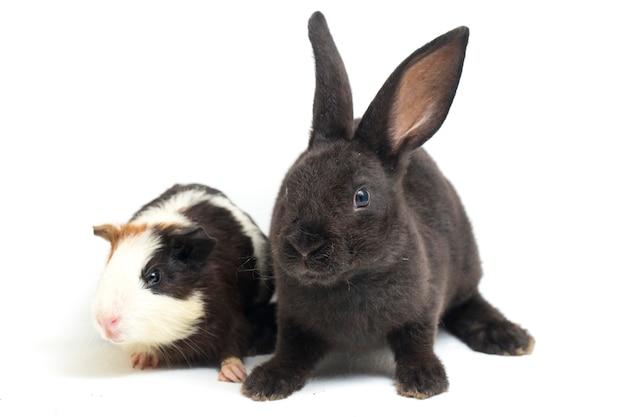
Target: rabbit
(371, 246)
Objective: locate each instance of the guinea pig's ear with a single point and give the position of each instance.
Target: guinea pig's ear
(192, 244)
(109, 232)
(414, 101)
(332, 104)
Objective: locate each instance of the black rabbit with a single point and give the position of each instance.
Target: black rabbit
(370, 243)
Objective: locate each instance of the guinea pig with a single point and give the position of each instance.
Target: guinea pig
(187, 283)
(371, 245)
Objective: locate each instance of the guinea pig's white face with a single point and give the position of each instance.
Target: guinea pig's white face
(126, 312)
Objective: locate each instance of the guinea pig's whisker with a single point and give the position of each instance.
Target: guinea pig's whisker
(183, 353)
(163, 355)
(205, 331)
(247, 260)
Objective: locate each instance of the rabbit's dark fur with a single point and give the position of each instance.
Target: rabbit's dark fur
(371, 245)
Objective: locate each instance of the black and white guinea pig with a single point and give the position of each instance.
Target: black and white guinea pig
(186, 283)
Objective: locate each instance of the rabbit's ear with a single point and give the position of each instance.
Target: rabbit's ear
(415, 99)
(332, 105)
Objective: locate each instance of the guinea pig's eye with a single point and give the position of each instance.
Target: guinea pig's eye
(153, 278)
(361, 198)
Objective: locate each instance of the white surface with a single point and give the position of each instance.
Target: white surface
(105, 105)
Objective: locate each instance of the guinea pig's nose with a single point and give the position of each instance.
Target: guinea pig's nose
(110, 326)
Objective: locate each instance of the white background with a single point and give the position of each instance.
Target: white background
(103, 105)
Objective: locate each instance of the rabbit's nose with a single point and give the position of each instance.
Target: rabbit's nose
(305, 247)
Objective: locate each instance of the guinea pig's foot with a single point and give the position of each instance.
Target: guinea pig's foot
(144, 360)
(422, 381)
(232, 370)
(271, 383)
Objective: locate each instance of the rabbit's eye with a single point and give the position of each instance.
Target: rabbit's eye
(361, 198)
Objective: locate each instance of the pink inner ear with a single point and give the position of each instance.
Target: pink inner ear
(422, 96)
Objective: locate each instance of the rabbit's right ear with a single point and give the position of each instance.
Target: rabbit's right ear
(415, 99)
(332, 105)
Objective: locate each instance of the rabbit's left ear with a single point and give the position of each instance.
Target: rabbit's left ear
(414, 101)
(332, 104)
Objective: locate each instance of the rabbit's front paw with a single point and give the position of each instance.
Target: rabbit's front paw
(268, 382)
(422, 380)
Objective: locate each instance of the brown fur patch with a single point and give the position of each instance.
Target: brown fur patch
(115, 233)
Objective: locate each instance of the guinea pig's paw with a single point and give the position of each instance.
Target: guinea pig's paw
(232, 370)
(144, 360)
(422, 380)
(271, 383)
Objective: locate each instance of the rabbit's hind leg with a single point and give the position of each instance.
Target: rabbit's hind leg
(484, 329)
